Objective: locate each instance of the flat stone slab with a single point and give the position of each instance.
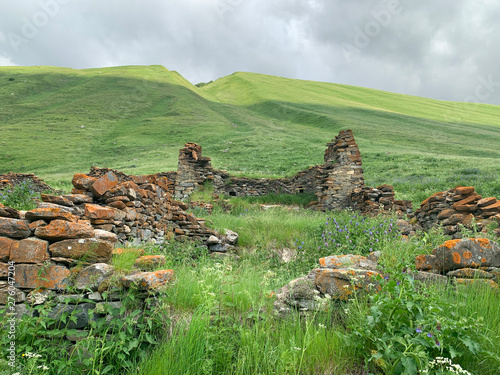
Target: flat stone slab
(348, 261)
(90, 250)
(59, 230)
(32, 276)
(30, 250)
(14, 228)
(49, 213)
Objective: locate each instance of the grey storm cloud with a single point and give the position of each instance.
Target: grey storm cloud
(444, 50)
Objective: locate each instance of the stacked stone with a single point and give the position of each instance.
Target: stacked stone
(459, 206)
(372, 201)
(302, 182)
(138, 207)
(463, 261)
(192, 170)
(341, 174)
(39, 249)
(7, 181)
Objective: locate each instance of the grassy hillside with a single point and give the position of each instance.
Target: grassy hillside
(57, 121)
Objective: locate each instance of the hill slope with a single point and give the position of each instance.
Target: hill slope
(57, 121)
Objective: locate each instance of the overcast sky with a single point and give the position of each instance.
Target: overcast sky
(443, 49)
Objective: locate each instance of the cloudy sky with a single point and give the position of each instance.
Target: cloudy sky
(446, 49)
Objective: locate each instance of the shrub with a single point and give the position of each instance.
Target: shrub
(404, 327)
(20, 196)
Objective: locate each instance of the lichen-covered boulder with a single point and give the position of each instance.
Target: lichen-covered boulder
(467, 253)
(343, 283)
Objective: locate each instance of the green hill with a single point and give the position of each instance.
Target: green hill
(58, 121)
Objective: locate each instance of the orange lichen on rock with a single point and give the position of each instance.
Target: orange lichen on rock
(467, 255)
(484, 242)
(456, 257)
(451, 243)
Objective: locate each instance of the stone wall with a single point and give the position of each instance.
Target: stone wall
(338, 183)
(137, 207)
(457, 208)
(192, 170)
(46, 252)
(8, 180)
(341, 173)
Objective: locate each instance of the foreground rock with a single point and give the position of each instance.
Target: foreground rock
(464, 262)
(457, 254)
(338, 278)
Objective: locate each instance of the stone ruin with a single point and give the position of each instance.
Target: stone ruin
(458, 208)
(7, 181)
(338, 183)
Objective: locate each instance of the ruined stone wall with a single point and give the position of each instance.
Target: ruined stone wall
(302, 182)
(8, 180)
(138, 207)
(338, 183)
(53, 257)
(341, 173)
(456, 208)
(192, 171)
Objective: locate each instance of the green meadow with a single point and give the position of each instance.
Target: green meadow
(56, 121)
(218, 316)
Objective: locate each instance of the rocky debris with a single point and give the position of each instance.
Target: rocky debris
(457, 207)
(148, 280)
(462, 259)
(339, 277)
(373, 201)
(7, 181)
(140, 207)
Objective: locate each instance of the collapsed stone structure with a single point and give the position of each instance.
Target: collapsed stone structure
(47, 250)
(338, 183)
(9, 180)
(456, 208)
